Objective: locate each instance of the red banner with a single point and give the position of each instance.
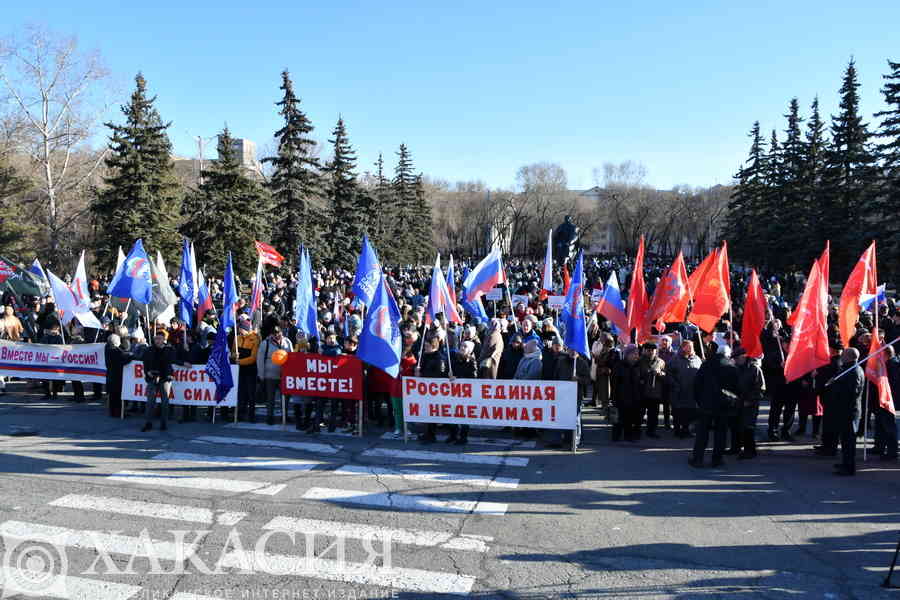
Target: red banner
(322, 376)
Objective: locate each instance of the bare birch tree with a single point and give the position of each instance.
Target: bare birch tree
(58, 91)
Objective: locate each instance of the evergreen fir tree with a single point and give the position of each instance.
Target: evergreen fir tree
(229, 212)
(888, 202)
(349, 204)
(382, 209)
(424, 225)
(742, 224)
(141, 197)
(15, 225)
(790, 227)
(849, 177)
(815, 147)
(769, 205)
(296, 183)
(404, 239)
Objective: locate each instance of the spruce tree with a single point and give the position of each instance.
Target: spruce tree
(769, 205)
(815, 147)
(889, 154)
(849, 176)
(424, 224)
(349, 204)
(15, 225)
(742, 225)
(141, 197)
(229, 212)
(404, 239)
(383, 208)
(790, 227)
(296, 183)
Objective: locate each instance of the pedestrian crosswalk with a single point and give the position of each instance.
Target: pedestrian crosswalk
(218, 486)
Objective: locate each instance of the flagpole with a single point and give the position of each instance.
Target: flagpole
(97, 336)
(509, 299)
(862, 360)
(865, 415)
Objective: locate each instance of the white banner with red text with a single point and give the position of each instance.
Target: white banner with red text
(79, 362)
(191, 386)
(498, 402)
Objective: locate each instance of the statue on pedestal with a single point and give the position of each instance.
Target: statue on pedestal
(565, 240)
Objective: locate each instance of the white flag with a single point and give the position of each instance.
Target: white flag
(547, 284)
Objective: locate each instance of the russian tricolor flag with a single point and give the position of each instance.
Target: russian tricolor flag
(612, 307)
(487, 275)
(439, 300)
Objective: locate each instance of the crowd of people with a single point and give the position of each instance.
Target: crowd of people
(685, 381)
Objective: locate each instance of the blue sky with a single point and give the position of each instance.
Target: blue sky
(478, 89)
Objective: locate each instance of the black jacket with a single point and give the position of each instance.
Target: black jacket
(158, 362)
(116, 359)
(716, 378)
(464, 368)
(434, 364)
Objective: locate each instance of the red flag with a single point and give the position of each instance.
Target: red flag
(567, 281)
(637, 297)
(268, 254)
(711, 298)
(861, 281)
(754, 317)
(669, 295)
(809, 339)
(876, 372)
(824, 263)
(726, 270)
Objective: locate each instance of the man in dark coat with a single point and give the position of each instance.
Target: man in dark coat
(116, 359)
(463, 367)
(844, 403)
(434, 364)
(716, 392)
(512, 355)
(158, 374)
(572, 366)
(626, 397)
(773, 339)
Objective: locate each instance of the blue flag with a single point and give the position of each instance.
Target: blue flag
(379, 343)
(573, 312)
(134, 280)
(474, 308)
(229, 297)
(37, 269)
(305, 301)
(186, 285)
(218, 367)
(368, 273)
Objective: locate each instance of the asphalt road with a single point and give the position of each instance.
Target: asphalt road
(231, 512)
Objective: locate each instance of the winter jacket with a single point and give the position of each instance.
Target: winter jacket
(266, 369)
(682, 373)
(716, 387)
(530, 367)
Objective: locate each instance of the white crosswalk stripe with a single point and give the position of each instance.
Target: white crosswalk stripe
(68, 588)
(388, 520)
(483, 441)
(347, 572)
(97, 540)
(239, 441)
(199, 483)
(239, 461)
(289, 428)
(404, 501)
(358, 531)
(426, 455)
(153, 510)
(435, 477)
